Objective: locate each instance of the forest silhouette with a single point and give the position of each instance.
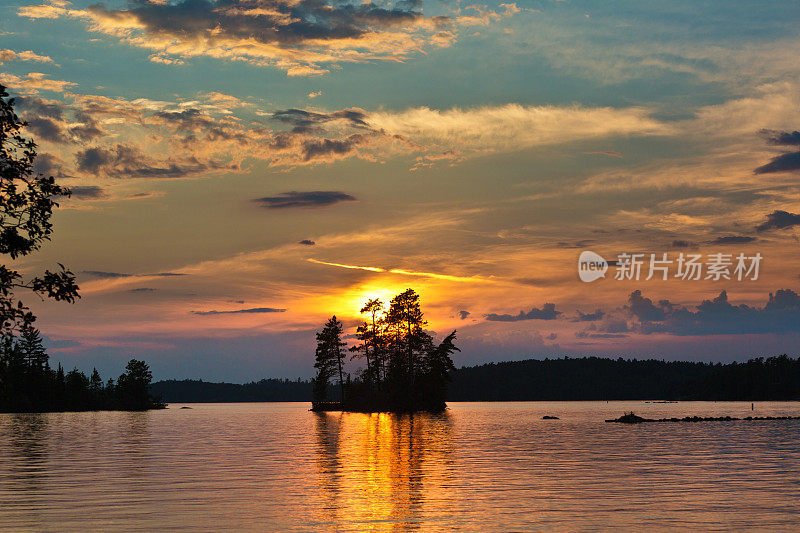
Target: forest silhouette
(27, 383)
(563, 379)
(405, 369)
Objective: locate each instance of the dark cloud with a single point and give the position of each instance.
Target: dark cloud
(279, 22)
(194, 123)
(307, 242)
(143, 289)
(296, 35)
(47, 129)
(88, 130)
(33, 106)
(589, 317)
(732, 239)
(644, 309)
(779, 220)
(781, 314)
(304, 199)
(781, 163)
(576, 244)
(463, 315)
(783, 138)
(321, 148)
(101, 274)
(127, 161)
(87, 192)
(613, 329)
(48, 164)
(683, 244)
(547, 312)
(254, 310)
(105, 275)
(303, 121)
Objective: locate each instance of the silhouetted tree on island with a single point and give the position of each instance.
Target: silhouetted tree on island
(405, 369)
(329, 359)
(27, 200)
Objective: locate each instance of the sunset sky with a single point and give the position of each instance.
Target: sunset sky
(243, 169)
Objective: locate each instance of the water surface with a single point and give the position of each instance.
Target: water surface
(479, 467)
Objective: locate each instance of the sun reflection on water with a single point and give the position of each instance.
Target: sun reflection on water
(381, 471)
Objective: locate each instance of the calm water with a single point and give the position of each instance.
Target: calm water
(480, 467)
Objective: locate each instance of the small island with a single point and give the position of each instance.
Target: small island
(405, 369)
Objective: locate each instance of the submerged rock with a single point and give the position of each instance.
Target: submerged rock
(630, 418)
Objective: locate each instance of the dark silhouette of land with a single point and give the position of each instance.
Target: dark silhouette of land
(631, 418)
(27, 383)
(588, 378)
(405, 370)
(266, 390)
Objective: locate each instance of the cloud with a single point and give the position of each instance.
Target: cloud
(589, 317)
(512, 126)
(682, 244)
(463, 314)
(102, 274)
(784, 162)
(128, 161)
(255, 310)
(87, 192)
(732, 239)
(7, 56)
(34, 82)
(303, 120)
(780, 314)
(307, 242)
(547, 312)
(142, 290)
(644, 309)
(784, 138)
(301, 37)
(105, 275)
(781, 163)
(779, 220)
(607, 153)
(304, 199)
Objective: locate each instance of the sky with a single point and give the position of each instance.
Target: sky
(244, 169)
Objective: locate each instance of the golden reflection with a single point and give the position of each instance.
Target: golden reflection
(383, 472)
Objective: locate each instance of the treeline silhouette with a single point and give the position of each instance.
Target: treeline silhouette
(405, 370)
(587, 378)
(199, 391)
(597, 378)
(28, 384)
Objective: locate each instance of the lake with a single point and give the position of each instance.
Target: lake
(479, 467)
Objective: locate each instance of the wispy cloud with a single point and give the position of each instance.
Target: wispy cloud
(304, 199)
(254, 310)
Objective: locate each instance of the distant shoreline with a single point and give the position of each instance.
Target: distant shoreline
(565, 379)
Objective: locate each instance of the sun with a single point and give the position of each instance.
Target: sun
(361, 295)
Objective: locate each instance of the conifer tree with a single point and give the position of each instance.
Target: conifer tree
(329, 357)
(30, 342)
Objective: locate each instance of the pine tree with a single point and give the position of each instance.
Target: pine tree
(30, 342)
(329, 358)
(406, 320)
(95, 382)
(369, 336)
